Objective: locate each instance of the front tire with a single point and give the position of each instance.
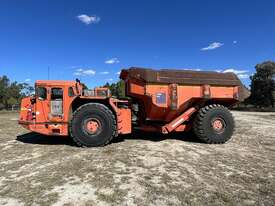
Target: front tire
(93, 125)
(214, 124)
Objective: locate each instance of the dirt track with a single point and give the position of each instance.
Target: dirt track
(40, 170)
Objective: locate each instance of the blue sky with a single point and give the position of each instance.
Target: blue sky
(93, 40)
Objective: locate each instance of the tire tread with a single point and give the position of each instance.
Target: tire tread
(100, 107)
(199, 129)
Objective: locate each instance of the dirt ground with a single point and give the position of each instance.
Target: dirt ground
(141, 169)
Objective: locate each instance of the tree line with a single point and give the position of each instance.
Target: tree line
(11, 93)
(262, 85)
(117, 89)
(262, 88)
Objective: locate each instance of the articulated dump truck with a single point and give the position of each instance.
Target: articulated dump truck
(162, 101)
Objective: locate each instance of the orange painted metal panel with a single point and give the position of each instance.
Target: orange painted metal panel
(124, 121)
(43, 122)
(186, 95)
(123, 117)
(136, 88)
(222, 92)
(178, 121)
(46, 128)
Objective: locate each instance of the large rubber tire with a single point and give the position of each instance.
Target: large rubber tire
(205, 128)
(104, 132)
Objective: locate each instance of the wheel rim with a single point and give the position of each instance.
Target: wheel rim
(92, 126)
(218, 125)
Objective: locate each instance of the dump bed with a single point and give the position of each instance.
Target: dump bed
(187, 77)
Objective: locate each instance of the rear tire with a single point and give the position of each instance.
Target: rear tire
(214, 124)
(93, 125)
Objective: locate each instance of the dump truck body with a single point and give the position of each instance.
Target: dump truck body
(161, 101)
(164, 94)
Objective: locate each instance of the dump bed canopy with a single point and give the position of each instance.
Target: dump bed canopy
(167, 76)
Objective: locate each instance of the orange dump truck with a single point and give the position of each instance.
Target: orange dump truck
(161, 101)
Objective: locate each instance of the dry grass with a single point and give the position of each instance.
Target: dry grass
(141, 170)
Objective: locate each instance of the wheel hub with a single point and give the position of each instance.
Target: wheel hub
(92, 126)
(218, 125)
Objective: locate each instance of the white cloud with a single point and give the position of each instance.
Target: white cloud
(212, 46)
(242, 74)
(109, 80)
(118, 73)
(89, 72)
(74, 67)
(88, 19)
(112, 61)
(85, 72)
(104, 72)
(192, 69)
(235, 42)
(27, 80)
(235, 71)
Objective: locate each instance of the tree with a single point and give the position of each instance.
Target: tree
(263, 85)
(4, 83)
(27, 90)
(12, 101)
(14, 89)
(11, 93)
(117, 89)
